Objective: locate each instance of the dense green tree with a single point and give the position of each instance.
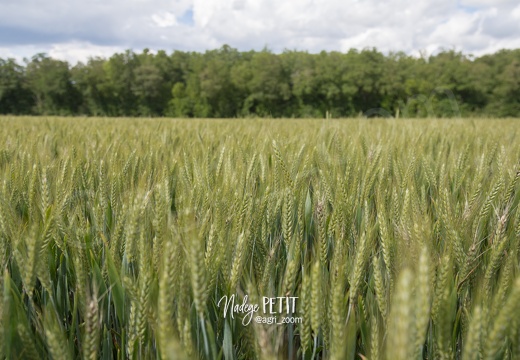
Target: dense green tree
(216, 87)
(152, 83)
(91, 81)
(229, 83)
(508, 90)
(15, 97)
(119, 70)
(333, 91)
(364, 76)
(502, 82)
(51, 84)
(180, 104)
(188, 96)
(265, 82)
(303, 83)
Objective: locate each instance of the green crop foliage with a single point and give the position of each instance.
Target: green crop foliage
(399, 238)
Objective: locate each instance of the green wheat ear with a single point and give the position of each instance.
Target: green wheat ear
(502, 324)
(401, 337)
(92, 329)
(423, 299)
(473, 348)
(118, 237)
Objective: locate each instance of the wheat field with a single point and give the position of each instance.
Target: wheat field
(399, 239)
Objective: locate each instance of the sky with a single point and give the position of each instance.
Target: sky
(74, 31)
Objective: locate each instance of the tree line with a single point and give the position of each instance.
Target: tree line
(230, 83)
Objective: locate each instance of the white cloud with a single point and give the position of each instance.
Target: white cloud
(70, 51)
(164, 20)
(516, 13)
(476, 3)
(79, 51)
(75, 31)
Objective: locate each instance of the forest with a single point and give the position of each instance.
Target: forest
(228, 83)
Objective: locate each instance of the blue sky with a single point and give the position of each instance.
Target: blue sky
(74, 31)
